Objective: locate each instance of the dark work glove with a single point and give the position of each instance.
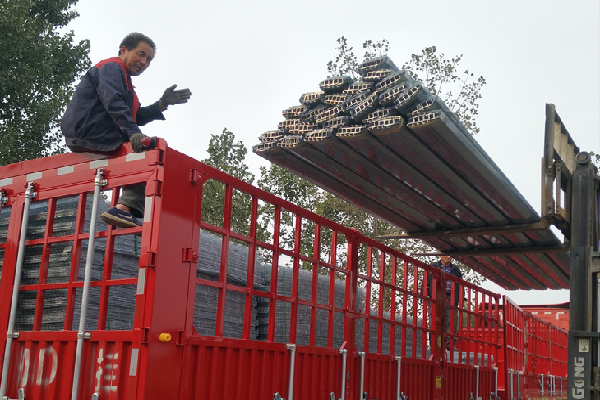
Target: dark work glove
(172, 96)
(136, 142)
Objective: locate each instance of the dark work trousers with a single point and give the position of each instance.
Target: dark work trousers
(133, 196)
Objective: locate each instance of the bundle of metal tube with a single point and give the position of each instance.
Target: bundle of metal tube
(386, 144)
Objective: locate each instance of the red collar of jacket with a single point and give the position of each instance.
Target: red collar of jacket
(130, 87)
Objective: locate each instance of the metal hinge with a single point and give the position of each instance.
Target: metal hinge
(189, 255)
(277, 396)
(142, 334)
(197, 177)
(148, 260)
(154, 188)
(182, 338)
(160, 157)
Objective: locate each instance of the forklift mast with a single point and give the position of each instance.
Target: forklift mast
(571, 200)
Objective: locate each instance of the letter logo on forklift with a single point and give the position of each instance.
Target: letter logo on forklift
(579, 367)
(578, 391)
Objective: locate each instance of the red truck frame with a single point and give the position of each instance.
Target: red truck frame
(346, 319)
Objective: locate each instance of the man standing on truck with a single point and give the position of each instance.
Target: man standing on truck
(448, 267)
(105, 112)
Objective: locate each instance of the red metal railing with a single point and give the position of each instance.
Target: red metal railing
(515, 354)
(547, 355)
(204, 302)
(535, 356)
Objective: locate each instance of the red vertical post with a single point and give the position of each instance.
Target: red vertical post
(415, 312)
(332, 277)
(167, 239)
(439, 342)
(405, 308)
(274, 273)
(380, 301)
(315, 277)
(295, 278)
(350, 308)
(393, 326)
(10, 259)
(197, 179)
(250, 272)
(223, 268)
(369, 271)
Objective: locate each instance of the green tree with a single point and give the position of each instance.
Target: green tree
(38, 65)
(294, 189)
(460, 91)
(596, 160)
(288, 186)
(346, 62)
(227, 155)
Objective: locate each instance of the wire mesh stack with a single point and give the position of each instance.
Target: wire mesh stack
(283, 309)
(403, 337)
(121, 299)
(387, 145)
(205, 306)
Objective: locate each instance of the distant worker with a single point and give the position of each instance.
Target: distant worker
(446, 265)
(105, 112)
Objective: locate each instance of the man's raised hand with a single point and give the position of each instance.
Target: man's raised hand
(172, 96)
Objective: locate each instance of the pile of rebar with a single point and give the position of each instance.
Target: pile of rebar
(387, 145)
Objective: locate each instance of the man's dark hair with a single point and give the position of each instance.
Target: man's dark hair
(131, 41)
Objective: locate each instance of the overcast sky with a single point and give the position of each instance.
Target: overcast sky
(246, 61)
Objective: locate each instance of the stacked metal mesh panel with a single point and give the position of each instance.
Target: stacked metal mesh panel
(283, 314)
(121, 300)
(401, 335)
(283, 309)
(205, 307)
(386, 144)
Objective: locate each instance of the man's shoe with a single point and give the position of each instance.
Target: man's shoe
(119, 218)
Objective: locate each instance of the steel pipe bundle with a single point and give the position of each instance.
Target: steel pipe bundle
(386, 144)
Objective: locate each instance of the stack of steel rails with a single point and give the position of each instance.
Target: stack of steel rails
(386, 144)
